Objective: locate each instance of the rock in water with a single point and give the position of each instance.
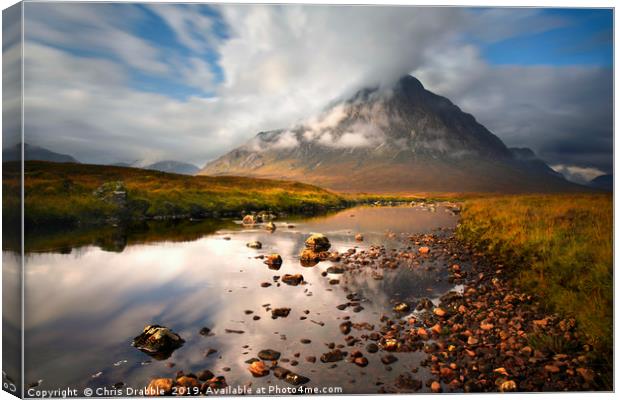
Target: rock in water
(335, 269)
(332, 356)
(270, 226)
(309, 258)
(248, 220)
(401, 307)
(269, 355)
(157, 341)
(318, 242)
(293, 280)
(255, 245)
(296, 379)
(258, 369)
(280, 312)
(359, 237)
(160, 387)
(274, 261)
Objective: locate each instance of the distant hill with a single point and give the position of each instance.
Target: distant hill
(174, 167)
(603, 182)
(35, 153)
(170, 166)
(402, 139)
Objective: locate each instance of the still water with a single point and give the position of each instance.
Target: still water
(83, 305)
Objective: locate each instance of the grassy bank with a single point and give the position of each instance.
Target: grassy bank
(559, 247)
(70, 193)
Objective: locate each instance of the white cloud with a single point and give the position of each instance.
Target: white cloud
(282, 65)
(193, 29)
(286, 140)
(578, 174)
(563, 113)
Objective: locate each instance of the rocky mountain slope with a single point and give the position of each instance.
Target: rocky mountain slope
(400, 140)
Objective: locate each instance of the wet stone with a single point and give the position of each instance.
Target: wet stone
(258, 369)
(292, 280)
(269, 355)
(388, 359)
(158, 341)
(281, 312)
(281, 372)
(372, 348)
(206, 375)
(296, 379)
(335, 269)
(274, 261)
(332, 356)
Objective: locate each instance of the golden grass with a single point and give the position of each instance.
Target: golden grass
(63, 193)
(559, 246)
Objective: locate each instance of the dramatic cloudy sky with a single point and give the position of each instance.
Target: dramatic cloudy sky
(124, 82)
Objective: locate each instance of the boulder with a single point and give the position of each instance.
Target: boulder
(269, 355)
(270, 226)
(296, 379)
(309, 258)
(318, 242)
(274, 261)
(401, 307)
(293, 280)
(258, 369)
(282, 312)
(255, 244)
(158, 341)
(160, 387)
(424, 250)
(248, 220)
(332, 356)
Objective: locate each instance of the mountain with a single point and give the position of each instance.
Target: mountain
(34, 153)
(405, 139)
(603, 182)
(175, 167)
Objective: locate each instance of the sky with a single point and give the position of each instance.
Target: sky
(122, 82)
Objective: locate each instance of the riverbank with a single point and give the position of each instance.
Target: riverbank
(80, 194)
(69, 195)
(558, 248)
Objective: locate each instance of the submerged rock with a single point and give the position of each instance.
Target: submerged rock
(158, 341)
(318, 242)
(335, 269)
(255, 245)
(270, 226)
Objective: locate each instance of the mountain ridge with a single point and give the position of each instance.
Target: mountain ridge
(402, 139)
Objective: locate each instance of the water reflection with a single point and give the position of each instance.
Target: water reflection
(83, 308)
